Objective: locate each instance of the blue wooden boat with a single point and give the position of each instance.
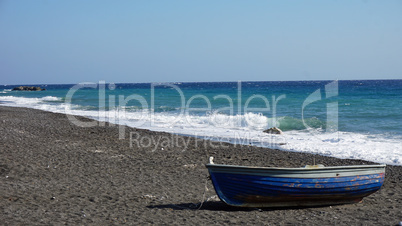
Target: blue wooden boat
(284, 187)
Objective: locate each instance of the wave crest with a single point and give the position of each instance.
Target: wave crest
(288, 123)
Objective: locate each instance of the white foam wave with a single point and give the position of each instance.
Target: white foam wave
(23, 100)
(238, 129)
(19, 101)
(50, 98)
(347, 145)
(36, 103)
(247, 130)
(5, 91)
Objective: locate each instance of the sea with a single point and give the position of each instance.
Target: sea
(352, 119)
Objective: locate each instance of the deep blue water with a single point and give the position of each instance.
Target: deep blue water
(367, 106)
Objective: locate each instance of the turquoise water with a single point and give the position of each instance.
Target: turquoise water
(347, 119)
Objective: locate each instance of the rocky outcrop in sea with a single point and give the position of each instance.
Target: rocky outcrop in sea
(28, 88)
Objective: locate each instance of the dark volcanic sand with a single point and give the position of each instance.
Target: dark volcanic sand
(54, 172)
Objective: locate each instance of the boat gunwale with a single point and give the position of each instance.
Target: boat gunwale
(212, 165)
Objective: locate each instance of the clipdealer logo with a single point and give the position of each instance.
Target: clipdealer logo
(146, 112)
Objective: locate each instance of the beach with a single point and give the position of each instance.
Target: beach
(54, 172)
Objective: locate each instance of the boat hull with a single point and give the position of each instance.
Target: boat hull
(282, 187)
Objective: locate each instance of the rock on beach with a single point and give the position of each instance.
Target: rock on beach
(273, 130)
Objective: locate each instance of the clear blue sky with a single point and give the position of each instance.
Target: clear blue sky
(75, 41)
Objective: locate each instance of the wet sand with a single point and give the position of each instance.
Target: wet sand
(54, 172)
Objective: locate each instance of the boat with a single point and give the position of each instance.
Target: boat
(313, 185)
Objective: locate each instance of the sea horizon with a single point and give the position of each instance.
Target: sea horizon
(169, 82)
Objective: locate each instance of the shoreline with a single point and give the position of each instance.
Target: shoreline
(55, 172)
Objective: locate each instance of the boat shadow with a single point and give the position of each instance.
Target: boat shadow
(220, 206)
